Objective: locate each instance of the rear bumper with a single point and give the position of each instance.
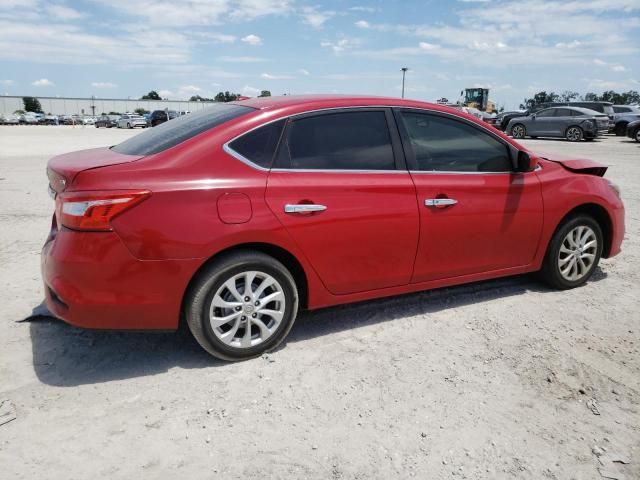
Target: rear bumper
(92, 281)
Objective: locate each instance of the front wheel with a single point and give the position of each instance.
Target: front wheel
(637, 135)
(573, 253)
(128, 125)
(241, 305)
(518, 131)
(574, 134)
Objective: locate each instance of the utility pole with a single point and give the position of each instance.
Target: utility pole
(404, 72)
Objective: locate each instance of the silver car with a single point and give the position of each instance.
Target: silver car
(572, 123)
(132, 121)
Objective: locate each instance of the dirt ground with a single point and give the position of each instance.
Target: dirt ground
(499, 379)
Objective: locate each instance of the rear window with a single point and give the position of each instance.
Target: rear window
(170, 134)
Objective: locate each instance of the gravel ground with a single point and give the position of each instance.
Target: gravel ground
(499, 379)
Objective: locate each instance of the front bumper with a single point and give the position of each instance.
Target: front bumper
(92, 281)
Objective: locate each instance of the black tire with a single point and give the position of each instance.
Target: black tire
(128, 125)
(574, 134)
(518, 131)
(202, 291)
(550, 271)
(620, 129)
(636, 135)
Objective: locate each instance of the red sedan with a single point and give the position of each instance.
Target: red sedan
(234, 218)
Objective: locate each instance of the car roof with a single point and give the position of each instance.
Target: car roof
(336, 101)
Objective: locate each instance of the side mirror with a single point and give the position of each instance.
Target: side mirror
(525, 162)
(533, 116)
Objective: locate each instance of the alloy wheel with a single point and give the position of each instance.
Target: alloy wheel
(517, 131)
(574, 134)
(247, 309)
(577, 253)
(638, 135)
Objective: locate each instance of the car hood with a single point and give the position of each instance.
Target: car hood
(576, 165)
(70, 164)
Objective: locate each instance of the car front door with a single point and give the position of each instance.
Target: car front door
(340, 187)
(476, 214)
(542, 123)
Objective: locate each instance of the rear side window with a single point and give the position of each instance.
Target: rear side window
(170, 134)
(339, 141)
(447, 145)
(259, 145)
(549, 112)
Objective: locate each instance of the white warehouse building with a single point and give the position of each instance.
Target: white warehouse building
(96, 106)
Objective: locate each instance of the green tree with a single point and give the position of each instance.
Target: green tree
(591, 97)
(226, 96)
(152, 95)
(265, 93)
(198, 98)
(539, 98)
(568, 96)
(140, 111)
(32, 104)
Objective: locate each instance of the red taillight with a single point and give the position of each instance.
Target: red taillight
(94, 211)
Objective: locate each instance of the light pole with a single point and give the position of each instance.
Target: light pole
(404, 72)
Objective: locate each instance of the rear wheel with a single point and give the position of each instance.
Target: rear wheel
(242, 305)
(128, 125)
(518, 131)
(574, 134)
(637, 135)
(573, 253)
(620, 129)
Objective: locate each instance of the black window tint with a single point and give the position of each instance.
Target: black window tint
(340, 141)
(259, 145)
(170, 134)
(577, 113)
(444, 144)
(563, 112)
(550, 112)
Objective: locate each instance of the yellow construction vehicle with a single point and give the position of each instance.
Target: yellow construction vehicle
(479, 98)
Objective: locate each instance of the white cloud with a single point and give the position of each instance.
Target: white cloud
(427, 46)
(304, 72)
(252, 39)
(6, 82)
(362, 24)
(240, 59)
(166, 93)
(103, 85)
(268, 76)
(60, 12)
(340, 45)
(189, 89)
(618, 68)
(614, 67)
(600, 84)
(43, 82)
(360, 8)
(199, 12)
(215, 37)
(315, 17)
(248, 91)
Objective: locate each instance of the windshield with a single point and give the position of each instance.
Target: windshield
(170, 134)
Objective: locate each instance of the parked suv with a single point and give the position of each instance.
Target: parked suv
(161, 116)
(623, 115)
(237, 216)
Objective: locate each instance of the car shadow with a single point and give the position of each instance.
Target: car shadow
(66, 356)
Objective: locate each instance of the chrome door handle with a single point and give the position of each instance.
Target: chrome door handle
(439, 202)
(304, 208)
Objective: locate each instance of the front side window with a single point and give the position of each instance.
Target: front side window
(170, 134)
(339, 141)
(448, 145)
(259, 145)
(549, 112)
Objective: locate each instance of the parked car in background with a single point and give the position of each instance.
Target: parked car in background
(619, 110)
(601, 107)
(633, 130)
(132, 121)
(312, 203)
(88, 121)
(623, 115)
(106, 121)
(502, 119)
(51, 120)
(161, 116)
(11, 120)
(572, 123)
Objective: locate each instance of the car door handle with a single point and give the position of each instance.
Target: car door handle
(304, 208)
(439, 202)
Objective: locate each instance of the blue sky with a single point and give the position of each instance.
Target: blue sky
(124, 48)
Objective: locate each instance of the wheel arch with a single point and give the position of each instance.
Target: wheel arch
(282, 255)
(600, 215)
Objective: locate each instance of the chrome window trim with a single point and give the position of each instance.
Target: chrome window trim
(454, 172)
(250, 163)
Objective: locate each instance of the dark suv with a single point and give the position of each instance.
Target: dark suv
(161, 116)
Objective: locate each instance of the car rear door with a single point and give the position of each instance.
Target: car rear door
(543, 123)
(476, 214)
(340, 187)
